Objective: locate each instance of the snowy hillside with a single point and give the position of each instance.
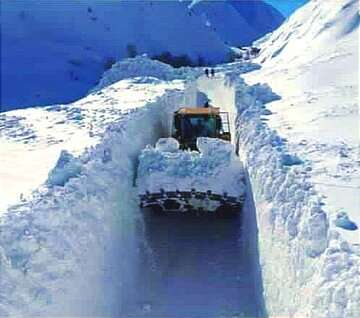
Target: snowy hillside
(54, 52)
(238, 23)
(58, 50)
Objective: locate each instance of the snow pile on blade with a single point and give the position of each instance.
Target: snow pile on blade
(215, 171)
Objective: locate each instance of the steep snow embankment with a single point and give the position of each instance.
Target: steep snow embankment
(312, 62)
(308, 268)
(68, 45)
(32, 139)
(80, 228)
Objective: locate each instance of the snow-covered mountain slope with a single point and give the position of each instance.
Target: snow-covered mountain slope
(55, 51)
(311, 61)
(238, 23)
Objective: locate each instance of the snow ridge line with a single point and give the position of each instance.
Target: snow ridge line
(308, 269)
(53, 245)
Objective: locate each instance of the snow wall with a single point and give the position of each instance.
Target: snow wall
(308, 270)
(54, 247)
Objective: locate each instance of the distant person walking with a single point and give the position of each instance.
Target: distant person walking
(207, 72)
(212, 72)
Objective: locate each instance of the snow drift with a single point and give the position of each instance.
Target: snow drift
(142, 66)
(318, 267)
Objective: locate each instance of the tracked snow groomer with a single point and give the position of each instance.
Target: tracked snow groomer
(194, 170)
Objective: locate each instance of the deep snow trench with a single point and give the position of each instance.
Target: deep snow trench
(197, 267)
(190, 266)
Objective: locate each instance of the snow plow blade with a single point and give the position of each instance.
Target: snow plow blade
(191, 201)
(209, 181)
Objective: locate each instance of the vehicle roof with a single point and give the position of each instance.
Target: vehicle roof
(199, 111)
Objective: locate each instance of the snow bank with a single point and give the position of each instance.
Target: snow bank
(82, 228)
(312, 61)
(307, 267)
(215, 168)
(142, 66)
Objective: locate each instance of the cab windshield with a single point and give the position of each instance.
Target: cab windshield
(198, 126)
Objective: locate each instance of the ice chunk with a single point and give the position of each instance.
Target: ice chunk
(290, 160)
(167, 145)
(343, 221)
(66, 167)
(212, 146)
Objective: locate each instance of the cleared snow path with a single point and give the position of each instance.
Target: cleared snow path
(198, 267)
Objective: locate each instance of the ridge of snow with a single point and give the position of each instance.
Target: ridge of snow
(43, 132)
(311, 62)
(291, 209)
(143, 67)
